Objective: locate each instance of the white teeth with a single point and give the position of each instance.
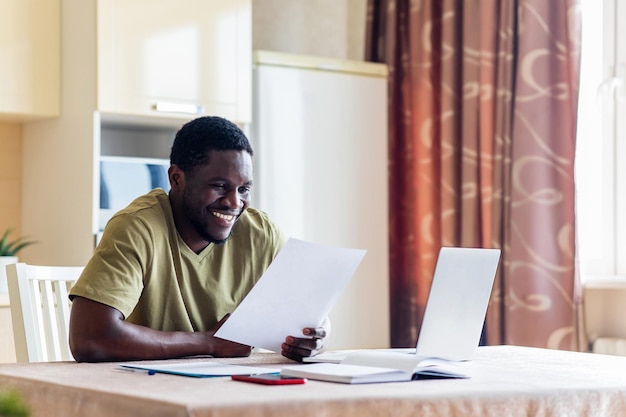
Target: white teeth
(223, 216)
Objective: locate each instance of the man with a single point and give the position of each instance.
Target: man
(170, 268)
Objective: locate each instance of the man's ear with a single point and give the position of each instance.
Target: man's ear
(176, 177)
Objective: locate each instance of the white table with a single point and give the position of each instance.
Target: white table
(506, 381)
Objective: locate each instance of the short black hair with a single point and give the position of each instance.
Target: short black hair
(196, 138)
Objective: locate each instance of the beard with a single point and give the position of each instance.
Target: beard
(202, 231)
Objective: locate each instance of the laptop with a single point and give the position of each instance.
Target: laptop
(456, 307)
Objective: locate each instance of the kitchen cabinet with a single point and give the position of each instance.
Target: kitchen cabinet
(107, 87)
(30, 59)
(160, 56)
(293, 93)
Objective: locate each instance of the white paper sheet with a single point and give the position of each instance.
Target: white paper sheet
(298, 290)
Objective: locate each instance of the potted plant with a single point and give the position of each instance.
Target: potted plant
(12, 405)
(8, 255)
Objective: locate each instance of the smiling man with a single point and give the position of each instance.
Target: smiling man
(171, 267)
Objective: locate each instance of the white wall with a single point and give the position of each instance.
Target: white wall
(328, 28)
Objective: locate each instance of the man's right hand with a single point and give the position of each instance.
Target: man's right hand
(223, 348)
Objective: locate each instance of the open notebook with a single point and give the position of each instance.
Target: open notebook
(454, 315)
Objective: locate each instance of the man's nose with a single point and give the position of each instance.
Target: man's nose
(233, 199)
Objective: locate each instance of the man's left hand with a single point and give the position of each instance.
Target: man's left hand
(296, 348)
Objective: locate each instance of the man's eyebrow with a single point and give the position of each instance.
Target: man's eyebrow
(226, 180)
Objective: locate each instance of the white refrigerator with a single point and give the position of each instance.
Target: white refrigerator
(319, 133)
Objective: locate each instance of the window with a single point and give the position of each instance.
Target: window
(601, 141)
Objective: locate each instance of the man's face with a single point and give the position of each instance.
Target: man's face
(216, 194)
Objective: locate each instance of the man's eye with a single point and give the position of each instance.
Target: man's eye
(219, 186)
(244, 190)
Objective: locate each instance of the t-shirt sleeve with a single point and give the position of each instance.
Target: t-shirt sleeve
(114, 274)
(278, 238)
(273, 237)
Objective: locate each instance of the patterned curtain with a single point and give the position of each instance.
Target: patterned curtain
(482, 120)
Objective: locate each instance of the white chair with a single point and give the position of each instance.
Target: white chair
(40, 310)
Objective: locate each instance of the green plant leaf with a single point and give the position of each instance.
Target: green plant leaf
(12, 405)
(12, 248)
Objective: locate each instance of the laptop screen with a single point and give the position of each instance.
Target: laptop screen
(457, 303)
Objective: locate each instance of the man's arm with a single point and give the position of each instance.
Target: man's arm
(99, 333)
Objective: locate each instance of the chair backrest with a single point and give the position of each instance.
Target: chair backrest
(40, 310)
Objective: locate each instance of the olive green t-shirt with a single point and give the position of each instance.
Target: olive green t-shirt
(144, 269)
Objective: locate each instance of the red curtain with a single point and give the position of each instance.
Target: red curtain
(481, 141)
